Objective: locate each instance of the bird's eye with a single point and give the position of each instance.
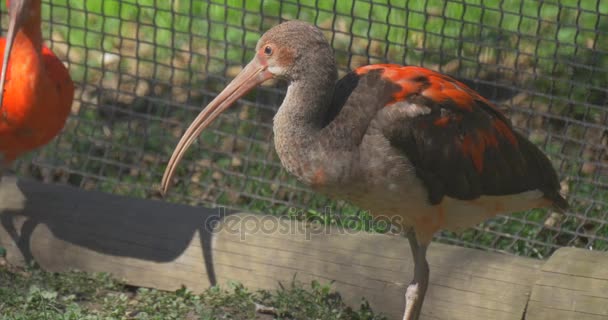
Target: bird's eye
(268, 50)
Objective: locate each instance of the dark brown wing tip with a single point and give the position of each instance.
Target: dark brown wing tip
(559, 202)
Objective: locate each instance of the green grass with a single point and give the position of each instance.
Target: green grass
(35, 294)
(177, 51)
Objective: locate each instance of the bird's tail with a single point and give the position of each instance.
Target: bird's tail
(559, 203)
(545, 177)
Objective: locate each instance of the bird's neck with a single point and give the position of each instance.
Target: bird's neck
(300, 128)
(302, 112)
(27, 42)
(30, 34)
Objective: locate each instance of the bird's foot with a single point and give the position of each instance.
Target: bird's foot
(412, 296)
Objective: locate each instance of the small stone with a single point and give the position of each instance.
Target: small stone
(195, 178)
(564, 187)
(204, 163)
(554, 220)
(134, 172)
(109, 58)
(588, 168)
(236, 162)
(244, 114)
(233, 71)
(217, 175)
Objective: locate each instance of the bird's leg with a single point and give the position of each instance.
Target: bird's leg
(414, 295)
(3, 167)
(6, 171)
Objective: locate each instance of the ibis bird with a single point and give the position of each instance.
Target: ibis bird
(400, 141)
(36, 88)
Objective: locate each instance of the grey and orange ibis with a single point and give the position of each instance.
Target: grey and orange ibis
(400, 141)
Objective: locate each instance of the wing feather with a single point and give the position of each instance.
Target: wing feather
(464, 147)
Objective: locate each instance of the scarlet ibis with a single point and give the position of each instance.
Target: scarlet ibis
(37, 91)
(399, 141)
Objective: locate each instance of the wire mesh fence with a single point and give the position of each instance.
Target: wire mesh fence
(145, 68)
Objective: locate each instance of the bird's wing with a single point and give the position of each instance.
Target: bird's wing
(60, 77)
(460, 144)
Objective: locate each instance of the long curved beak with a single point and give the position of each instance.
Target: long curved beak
(252, 75)
(18, 11)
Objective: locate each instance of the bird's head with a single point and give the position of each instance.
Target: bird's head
(288, 51)
(291, 49)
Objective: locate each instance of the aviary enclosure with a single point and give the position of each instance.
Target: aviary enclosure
(143, 70)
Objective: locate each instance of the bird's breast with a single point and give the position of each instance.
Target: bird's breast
(316, 166)
(22, 84)
(37, 100)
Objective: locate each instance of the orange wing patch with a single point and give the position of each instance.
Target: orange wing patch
(475, 145)
(442, 90)
(430, 84)
(444, 121)
(454, 96)
(505, 131)
(399, 75)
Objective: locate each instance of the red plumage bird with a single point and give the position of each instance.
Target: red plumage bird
(402, 142)
(37, 91)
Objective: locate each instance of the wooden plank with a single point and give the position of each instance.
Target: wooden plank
(163, 245)
(573, 285)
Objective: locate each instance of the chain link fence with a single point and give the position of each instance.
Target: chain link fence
(145, 68)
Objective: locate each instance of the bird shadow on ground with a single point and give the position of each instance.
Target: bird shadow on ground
(147, 230)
